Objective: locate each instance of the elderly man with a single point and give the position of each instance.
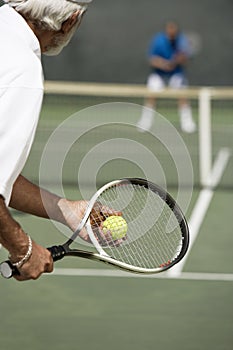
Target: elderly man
(29, 27)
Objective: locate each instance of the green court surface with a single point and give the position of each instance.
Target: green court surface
(73, 312)
(91, 311)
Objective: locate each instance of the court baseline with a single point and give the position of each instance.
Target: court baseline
(87, 272)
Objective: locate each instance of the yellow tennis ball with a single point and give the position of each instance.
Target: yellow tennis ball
(116, 225)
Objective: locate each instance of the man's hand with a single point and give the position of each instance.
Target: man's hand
(15, 240)
(180, 59)
(73, 212)
(39, 262)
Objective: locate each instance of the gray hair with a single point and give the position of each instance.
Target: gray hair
(48, 14)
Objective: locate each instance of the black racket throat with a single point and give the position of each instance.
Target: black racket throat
(58, 252)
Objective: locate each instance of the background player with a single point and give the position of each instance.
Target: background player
(168, 54)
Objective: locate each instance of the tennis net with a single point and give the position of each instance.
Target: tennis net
(212, 109)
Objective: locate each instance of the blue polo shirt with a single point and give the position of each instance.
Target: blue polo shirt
(161, 46)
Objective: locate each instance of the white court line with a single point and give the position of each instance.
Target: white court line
(202, 205)
(219, 166)
(118, 273)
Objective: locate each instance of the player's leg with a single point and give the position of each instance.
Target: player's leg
(178, 81)
(154, 83)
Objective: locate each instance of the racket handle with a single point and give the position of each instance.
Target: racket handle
(57, 252)
(8, 270)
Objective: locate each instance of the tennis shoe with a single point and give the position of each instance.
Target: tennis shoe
(145, 123)
(187, 124)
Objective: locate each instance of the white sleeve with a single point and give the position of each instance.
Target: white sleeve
(19, 114)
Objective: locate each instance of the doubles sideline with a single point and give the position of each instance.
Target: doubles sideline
(202, 205)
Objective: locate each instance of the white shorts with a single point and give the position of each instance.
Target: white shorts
(177, 81)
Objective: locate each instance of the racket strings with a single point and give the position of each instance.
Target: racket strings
(154, 235)
(159, 212)
(140, 249)
(161, 248)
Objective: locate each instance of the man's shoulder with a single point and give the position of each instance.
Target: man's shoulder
(20, 52)
(16, 35)
(159, 37)
(20, 67)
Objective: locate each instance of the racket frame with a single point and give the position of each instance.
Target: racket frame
(58, 252)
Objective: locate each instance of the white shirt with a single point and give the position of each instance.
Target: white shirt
(21, 94)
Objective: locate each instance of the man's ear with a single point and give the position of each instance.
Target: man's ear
(70, 22)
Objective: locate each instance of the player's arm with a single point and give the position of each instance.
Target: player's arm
(156, 60)
(184, 51)
(15, 240)
(161, 63)
(31, 199)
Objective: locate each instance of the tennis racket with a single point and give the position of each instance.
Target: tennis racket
(157, 232)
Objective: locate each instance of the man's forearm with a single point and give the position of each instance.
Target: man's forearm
(16, 241)
(161, 63)
(31, 199)
(12, 236)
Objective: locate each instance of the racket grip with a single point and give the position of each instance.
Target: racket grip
(8, 270)
(57, 252)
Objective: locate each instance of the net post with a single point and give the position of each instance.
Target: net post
(205, 139)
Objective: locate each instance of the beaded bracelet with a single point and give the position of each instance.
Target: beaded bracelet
(27, 255)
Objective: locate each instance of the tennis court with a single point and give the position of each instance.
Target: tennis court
(86, 305)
